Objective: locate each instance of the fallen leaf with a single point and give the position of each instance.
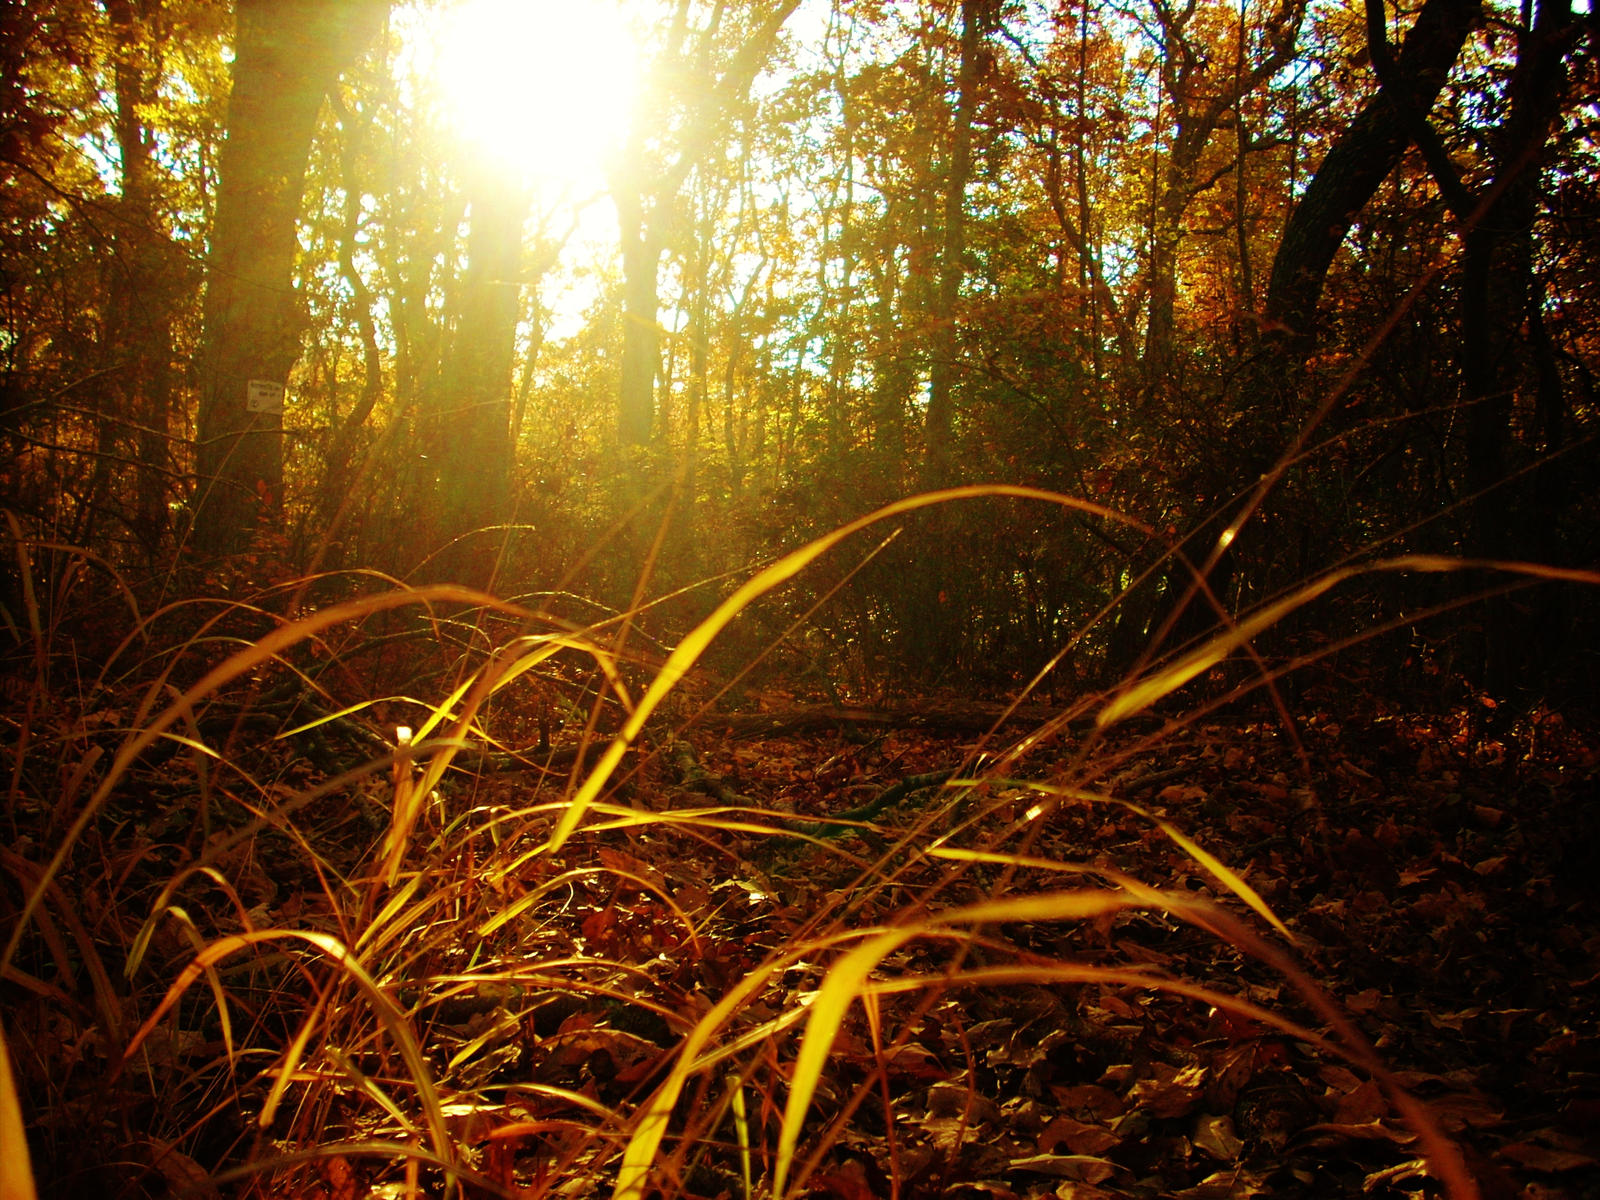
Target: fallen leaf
(1088, 1100)
(1083, 1167)
(1077, 1136)
(1214, 1135)
(1172, 1093)
(1548, 1159)
(1366, 1103)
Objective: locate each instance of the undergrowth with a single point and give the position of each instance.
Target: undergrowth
(402, 894)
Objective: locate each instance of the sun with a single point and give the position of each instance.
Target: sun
(540, 88)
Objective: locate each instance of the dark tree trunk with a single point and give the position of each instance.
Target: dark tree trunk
(1361, 159)
(641, 334)
(1499, 328)
(474, 413)
(1166, 238)
(1498, 257)
(645, 201)
(148, 282)
(287, 54)
(952, 267)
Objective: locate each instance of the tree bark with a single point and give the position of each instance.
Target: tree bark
(1498, 258)
(473, 417)
(952, 267)
(287, 54)
(1361, 159)
(338, 491)
(642, 246)
(1498, 325)
(149, 282)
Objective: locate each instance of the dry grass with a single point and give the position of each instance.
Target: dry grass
(227, 969)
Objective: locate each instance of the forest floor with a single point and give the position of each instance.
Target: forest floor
(1441, 885)
(1443, 889)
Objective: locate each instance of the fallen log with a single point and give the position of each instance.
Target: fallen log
(970, 717)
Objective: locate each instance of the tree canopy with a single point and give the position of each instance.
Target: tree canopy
(278, 296)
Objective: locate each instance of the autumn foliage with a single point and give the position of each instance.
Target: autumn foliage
(985, 598)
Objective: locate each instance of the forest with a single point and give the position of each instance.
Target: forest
(799, 598)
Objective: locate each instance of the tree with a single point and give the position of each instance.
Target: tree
(932, 240)
(1498, 292)
(975, 14)
(1198, 101)
(288, 53)
(473, 410)
(651, 173)
(1360, 159)
(470, 417)
(1502, 321)
(150, 282)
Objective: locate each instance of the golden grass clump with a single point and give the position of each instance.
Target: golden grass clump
(308, 901)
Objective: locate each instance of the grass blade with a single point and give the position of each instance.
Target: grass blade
(16, 1172)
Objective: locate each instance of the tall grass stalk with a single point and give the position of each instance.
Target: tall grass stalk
(333, 1022)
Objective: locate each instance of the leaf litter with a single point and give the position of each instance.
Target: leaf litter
(1437, 882)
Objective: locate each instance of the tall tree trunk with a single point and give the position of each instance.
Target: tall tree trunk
(894, 367)
(287, 53)
(1166, 237)
(1497, 331)
(339, 491)
(1091, 281)
(1364, 154)
(641, 333)
(699, 363)
(1360, 159)
(1498, 254)
(1199, 104)
(952, 268)
(474, 413)
(1241, 138)
(149, 281)
(645, 201)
